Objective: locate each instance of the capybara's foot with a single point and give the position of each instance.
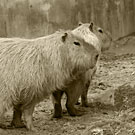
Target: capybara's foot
(77, 103)
(74, 112)
(64, 111)
(79, 113)
(30, 127)
(85, 104)
(17, 124)
(57, 111)
(57, 115)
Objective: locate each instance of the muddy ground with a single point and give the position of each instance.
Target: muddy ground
(116, 73)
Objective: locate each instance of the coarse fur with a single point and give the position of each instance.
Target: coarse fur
(32, 69)
(85, 30)
(101, 41)
(105, 43)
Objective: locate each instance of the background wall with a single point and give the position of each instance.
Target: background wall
(33, 18)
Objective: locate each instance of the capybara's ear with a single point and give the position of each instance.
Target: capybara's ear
(64, 37)
(91, 26)
(80, 23)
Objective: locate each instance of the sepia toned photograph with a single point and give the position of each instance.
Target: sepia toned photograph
(67, 67)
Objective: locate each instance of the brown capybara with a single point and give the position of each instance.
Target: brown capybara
(105, 42)
(90, 33)
(31, 69)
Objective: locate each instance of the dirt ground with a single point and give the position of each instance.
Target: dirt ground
(116, 73)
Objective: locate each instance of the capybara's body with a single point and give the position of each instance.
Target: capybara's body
(101, 41)
(32, 69)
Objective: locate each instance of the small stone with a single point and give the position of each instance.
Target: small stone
(81, 127)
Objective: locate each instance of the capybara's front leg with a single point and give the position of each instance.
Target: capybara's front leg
(28, 118)
(70, 106)
(56, 97)
(17, 114)
(2, 111)
(84, 99)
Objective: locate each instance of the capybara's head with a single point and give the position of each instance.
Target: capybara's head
(103, 36)
(81, 54)
(84, 32)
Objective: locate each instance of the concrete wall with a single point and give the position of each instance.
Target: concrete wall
(33, 18)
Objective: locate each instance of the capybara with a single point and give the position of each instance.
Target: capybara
(105, 42)
(31, 69)
(90, 33)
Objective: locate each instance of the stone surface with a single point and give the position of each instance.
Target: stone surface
(33, 18)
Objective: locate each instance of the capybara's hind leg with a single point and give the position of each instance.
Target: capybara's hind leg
(28, 118)
(17, 115)
(56, 97)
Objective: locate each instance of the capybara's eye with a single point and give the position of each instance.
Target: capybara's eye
(100, 30)
(96, 57)
(77, 43)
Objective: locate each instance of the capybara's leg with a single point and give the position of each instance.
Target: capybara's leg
(84, 99)
(1, 114)
(71, 100)
(56, 97)
(3, 109)
(73, 93)
(17, 115)
(77, 103)
(28, 118)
